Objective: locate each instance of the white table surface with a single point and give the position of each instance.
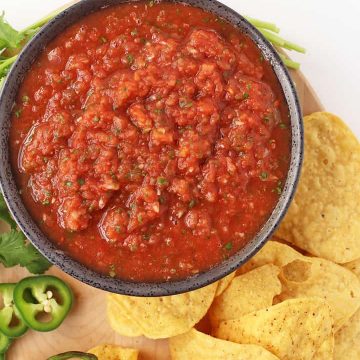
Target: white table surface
(328, 29)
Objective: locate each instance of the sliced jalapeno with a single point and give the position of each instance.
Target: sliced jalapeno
(11, 323)
(43, 301)
(73, 355)
(4, 344)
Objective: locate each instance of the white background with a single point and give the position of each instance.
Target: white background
(328, 29)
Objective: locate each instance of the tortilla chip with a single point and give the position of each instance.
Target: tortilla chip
(224, 283)
(195, 345)
(272, 253)
(119, 320)
(326, 350)
(252, 291)
(354, 266)
(162, 317)
(303, 276)
(324, 218)
(112, 352)
(347, 340)
(294, 329)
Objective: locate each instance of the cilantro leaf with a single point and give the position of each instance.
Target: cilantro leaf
(14, 250)
(34, 261)
(5, 215)
(9, 37)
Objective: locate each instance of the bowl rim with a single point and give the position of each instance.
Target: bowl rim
(74, 268)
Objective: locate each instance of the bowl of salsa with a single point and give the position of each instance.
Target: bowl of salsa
(149, 148)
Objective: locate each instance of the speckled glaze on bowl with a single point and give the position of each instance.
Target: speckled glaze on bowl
(76, 269)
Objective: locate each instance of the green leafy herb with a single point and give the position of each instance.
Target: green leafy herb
(228, 246)
(184, 104)
(245, 96)
(134, 32)
(103, 39)
(18, 112)
(192, 203)
(129, 59)
(14, 250)
(5, 215)
(264, 175)
(9, 37)
(162, 181)
(25, 99)
(81, 181)
(68, 183)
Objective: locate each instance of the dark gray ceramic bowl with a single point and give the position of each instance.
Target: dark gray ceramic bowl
(61, 259)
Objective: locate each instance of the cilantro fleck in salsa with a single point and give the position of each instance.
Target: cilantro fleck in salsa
(150, 141)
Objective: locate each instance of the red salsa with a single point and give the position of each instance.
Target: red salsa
(150, 141)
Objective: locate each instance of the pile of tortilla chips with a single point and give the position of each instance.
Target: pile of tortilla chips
(285, 303)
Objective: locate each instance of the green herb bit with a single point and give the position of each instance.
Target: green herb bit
(68, 183)
(279, 188)
(46, 202)
(228, 246)
(192, 203)
(96, 119)
(81, 181)
(264, 175)
(134, 32)
(151, 3)
(245, 96)
(129, 59)
(103, 39)
(282, 126)
(184, 104)
(25, 99)
(162, 181)
(140, 218)
(18, 113)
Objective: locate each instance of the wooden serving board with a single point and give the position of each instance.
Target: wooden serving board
(86, 326)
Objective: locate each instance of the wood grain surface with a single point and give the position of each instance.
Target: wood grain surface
(86, 326)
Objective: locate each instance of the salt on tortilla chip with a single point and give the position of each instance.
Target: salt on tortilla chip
(249, 292)
(195, 345)
(112, 352)
(162, 317)
(294, 329)
(303, 276)
(224, 283)
(347, 340)
(324, 217)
